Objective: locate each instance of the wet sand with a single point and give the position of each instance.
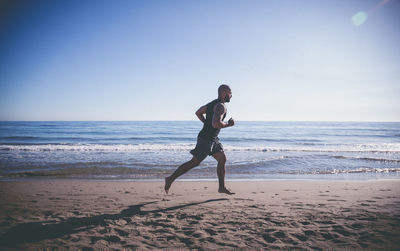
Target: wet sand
(306, 215)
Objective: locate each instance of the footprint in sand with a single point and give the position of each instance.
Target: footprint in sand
(121, 232)
(300, 237)
(48, 213)
(279, 234)
(210, 231)
(112, 238)
(370, 218)
(297, 204)
(198, 234)
(309, 233)
(341, 230)
(54, 198)
(336, 200)
(253, 206)
(189, 232)
(268, 238)
(357, 226)
(370, 200)
(329, 236)
(328, 222)
(76, 212)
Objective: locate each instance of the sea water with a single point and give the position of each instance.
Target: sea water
(154, 149)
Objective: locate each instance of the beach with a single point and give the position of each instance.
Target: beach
(292, 106)
(276, 214)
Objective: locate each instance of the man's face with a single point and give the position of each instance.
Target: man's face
(228, 96)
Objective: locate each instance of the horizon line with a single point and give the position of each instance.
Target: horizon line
(332, 121)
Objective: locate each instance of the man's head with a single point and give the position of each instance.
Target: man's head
(224, 93)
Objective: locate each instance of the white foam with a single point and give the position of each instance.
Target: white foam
(360, 170)
(99, 147)
(383, 147)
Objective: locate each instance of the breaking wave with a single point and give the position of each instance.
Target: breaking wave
(378, 148)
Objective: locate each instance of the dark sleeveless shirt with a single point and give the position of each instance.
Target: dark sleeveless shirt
(209, 132)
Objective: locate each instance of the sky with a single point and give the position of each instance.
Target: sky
(285, 60)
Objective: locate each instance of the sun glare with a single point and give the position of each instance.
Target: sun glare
(359, 18)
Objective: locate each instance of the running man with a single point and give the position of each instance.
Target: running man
(207, 140)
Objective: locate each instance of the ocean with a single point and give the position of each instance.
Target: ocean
(151, 150)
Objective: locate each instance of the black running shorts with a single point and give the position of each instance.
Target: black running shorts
(205, 147)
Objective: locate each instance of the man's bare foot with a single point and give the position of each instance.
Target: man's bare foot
(224, 190)
(167, 184)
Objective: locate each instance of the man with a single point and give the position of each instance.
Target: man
(207, 140)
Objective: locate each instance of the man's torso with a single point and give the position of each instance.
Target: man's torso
(209, 132)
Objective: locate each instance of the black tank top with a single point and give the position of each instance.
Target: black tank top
(208, 131)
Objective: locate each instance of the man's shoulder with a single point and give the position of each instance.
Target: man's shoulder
(219, 103)
(220, 107)
(215, 103)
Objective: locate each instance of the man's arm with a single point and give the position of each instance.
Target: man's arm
(199, 113)
(219, 111)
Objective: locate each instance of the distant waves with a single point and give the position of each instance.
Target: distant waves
(151, 150)
(373, 147)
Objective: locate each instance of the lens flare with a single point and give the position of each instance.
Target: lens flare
(359, 18)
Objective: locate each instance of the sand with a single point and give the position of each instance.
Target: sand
(97, 215)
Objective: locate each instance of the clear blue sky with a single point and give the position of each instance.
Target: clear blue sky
(161, 60)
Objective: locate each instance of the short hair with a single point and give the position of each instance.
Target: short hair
(223, 88)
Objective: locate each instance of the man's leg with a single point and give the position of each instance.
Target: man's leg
(181, 170)
(221, 158)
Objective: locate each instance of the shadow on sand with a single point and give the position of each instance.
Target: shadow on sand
(38, 231)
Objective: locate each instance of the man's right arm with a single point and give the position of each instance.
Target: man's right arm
(219, 111)
(199, 113)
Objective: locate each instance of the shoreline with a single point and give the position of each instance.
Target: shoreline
(311, 178)
(107, 214)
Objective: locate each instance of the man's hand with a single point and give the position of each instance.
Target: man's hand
(231, 122)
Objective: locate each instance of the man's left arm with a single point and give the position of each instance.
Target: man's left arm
(199, 113)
